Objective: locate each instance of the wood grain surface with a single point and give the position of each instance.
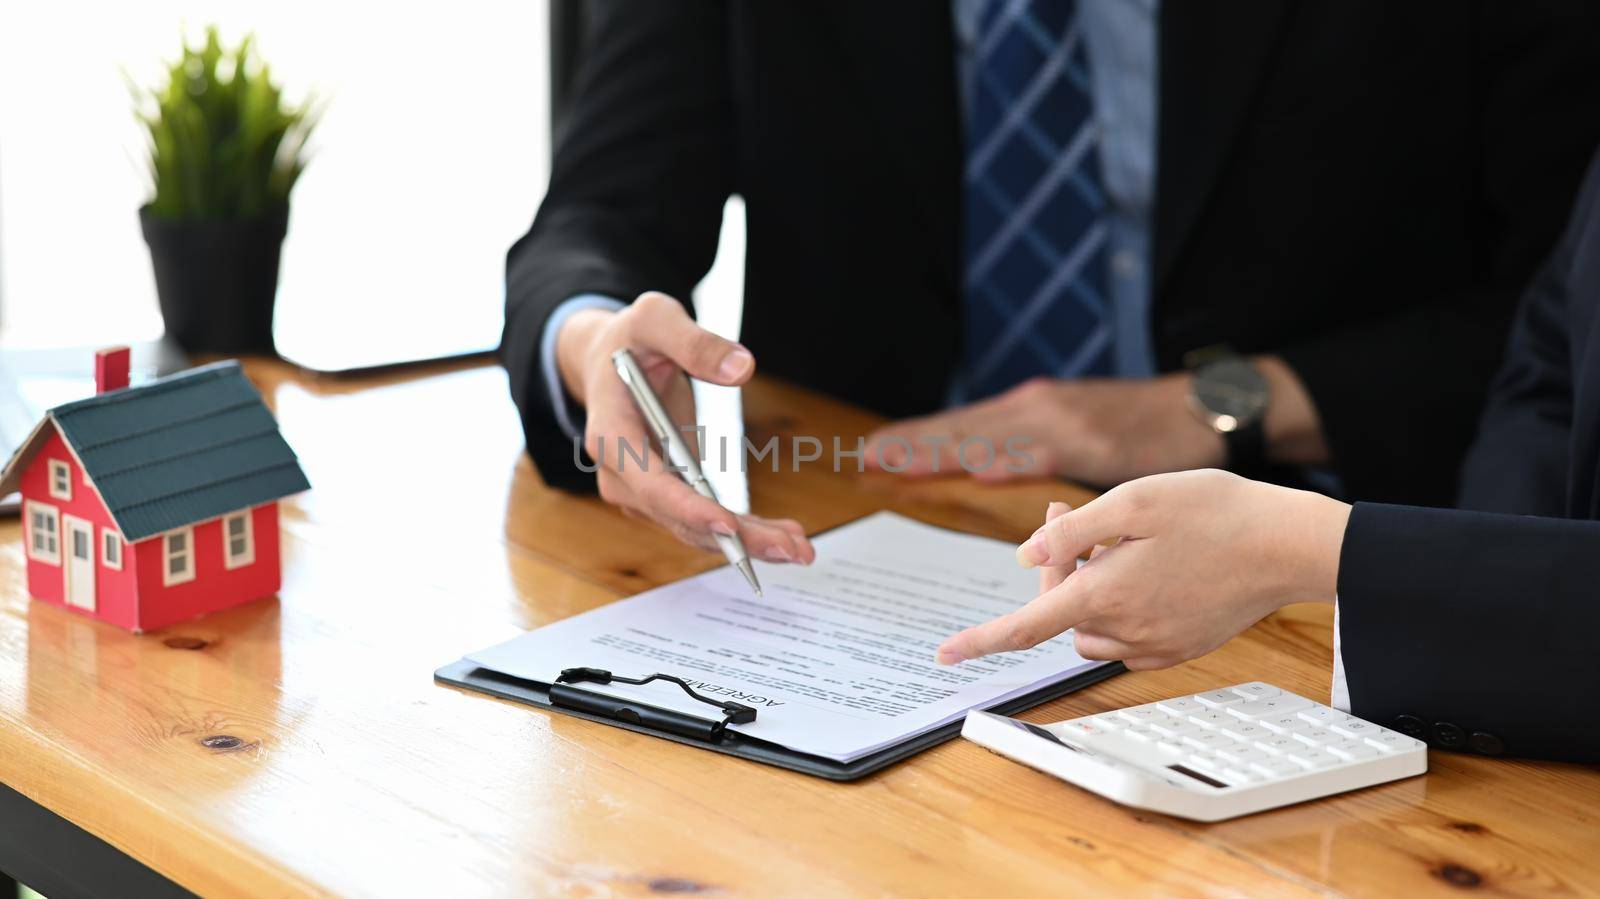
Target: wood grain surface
(298, 745)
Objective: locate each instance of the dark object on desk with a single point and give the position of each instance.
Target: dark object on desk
(563, 694)
(225, 150)
(469, 676)
(217, 280)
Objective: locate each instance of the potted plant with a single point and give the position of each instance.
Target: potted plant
(225, 150)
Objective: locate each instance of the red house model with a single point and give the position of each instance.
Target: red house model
(149, 505)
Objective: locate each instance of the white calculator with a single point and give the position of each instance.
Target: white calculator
(1210, 756)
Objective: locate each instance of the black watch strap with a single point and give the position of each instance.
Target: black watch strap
(1247, 449)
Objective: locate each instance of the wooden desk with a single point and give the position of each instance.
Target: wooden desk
(427, 535)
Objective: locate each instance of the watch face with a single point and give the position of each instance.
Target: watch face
(1232, 391)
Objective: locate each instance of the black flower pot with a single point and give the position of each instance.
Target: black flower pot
(217, 280)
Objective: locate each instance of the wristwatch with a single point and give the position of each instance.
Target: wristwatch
(1229, 395)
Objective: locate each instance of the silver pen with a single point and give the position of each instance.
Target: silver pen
(679, 458)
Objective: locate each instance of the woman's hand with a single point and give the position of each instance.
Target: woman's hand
(1181, 563)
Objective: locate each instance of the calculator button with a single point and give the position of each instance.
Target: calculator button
(1269, 708)
(1241, 754)
(1275, 767)
(1109, 722)
(1141, 734)
(1141, 714)
(1218, 698)
(1257, 690)
(1180, 706)
(1172, 727)
(1352, 750)
(1172, 747)
(1211, 719)
(1389, 741)
(1309, 758)
(1280, 745)
(1208, 740)
(1322, 716)
(1317, 736)
(1355, 727)
(1206, 763)
(1240, 729)
(1284, 724)
(1084, 727)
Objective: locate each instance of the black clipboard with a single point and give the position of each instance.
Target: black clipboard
(469, 676)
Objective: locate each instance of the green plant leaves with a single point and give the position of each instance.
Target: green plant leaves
(223, 144)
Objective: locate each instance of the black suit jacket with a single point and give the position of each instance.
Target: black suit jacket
(1361, 186)
(1487, 622)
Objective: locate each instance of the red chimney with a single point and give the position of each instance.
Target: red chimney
(110, 369)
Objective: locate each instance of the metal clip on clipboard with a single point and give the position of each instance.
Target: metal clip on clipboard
(564, 695)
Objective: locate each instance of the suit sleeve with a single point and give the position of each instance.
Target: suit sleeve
(1519, 461)
(640, 175)
(1418, 377)
(1484, 621)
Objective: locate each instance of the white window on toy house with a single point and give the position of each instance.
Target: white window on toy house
(238, 540)
(44, 533)
(111, 549)
(179, 567)
(60, 479)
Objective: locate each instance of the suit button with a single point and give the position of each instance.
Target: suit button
(1411, 726)
(1487, 744)
(1448, 736)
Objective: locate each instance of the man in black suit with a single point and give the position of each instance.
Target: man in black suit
(1345, 195)
(1474, 629)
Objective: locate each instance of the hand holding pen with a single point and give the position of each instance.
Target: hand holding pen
(679, 456)
(666, 345)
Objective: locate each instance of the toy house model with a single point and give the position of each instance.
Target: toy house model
(149, 505)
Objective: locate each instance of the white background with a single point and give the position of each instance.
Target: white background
(430, 161)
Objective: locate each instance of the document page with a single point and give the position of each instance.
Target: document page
(837, 658)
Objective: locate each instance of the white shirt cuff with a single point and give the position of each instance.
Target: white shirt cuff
(547, 356)
(1340, 693)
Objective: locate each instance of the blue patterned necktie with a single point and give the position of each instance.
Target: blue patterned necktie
(1033, 238)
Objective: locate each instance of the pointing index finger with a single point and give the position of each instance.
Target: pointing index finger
(1046, 616)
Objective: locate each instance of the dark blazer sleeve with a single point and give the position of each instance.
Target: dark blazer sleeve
(1483, 621)
(640, 175)
(1417, 378)
(1519, 462)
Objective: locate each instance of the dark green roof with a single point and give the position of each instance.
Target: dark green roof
(182, 449)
